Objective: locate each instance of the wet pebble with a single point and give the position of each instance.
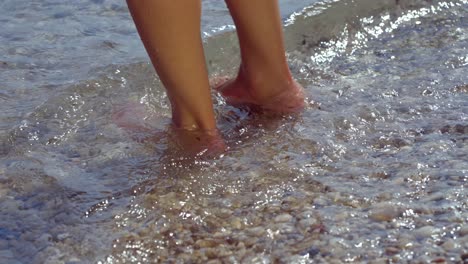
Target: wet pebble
(256, 231)
(305, 224)
(11, 205)
(3, 191)
(240, 251)
(6, 256)
(214, 261)
(320, 201)
(464, 257)
(450, 245)
(379, 261)
(462, 88)
(206, 243)
(392, 250)
(463, 230)
(342, 216)
(285, 228)
(425, 232)
(63, 236)
(283, 218)
(406, 241)
(236, 223)
(439, 260)
(50, 255)
(384, 212)
(223, 234)
(250, 241)
(437, 196)
(224, 213)
(4, 244)
(45, 238)
(223, 252)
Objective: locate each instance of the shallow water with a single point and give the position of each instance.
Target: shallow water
(375, 168)
(46, 46)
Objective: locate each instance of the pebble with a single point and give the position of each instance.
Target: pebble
(336, 246)
(63, 236)
(307, 214)
(406, 242)
(250, 241)
(439, 260)
(10, 260)
(74, 260)
(383, 212)
(341, 216)
(224, 213)
(256, 231)
(286, 228)
(307, 223)
(6, 254)
(45, 238)
(391, 250)
(462, 88)
(21, 51)
(320, 201)
(283, 218)
(211, 253)
(236, 223)
(334, 261)
(214, 261)
(3, 191)
(450, 245)
(206, 243)
(379, 261)
(3, 244)
(425, 231)
(463, 230)
(223, 252)
(377, 226)
(52, 255)
(464, 257)
(240, 251)
(437, 196)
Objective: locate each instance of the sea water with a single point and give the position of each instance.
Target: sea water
(373, 170)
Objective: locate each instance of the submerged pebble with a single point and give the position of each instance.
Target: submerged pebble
(283, 218)
(463, 230)
(384, 212)
(426, 232)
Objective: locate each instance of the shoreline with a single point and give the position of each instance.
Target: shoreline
(318, 23)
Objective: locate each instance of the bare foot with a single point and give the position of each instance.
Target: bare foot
(237, 91)
(139, 123)
(197, 143)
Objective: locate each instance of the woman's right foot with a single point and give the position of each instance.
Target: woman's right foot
(135, 119)
(197, 143)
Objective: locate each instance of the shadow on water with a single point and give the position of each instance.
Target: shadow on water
(374, 169)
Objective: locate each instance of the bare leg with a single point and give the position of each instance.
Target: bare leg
(170, 31)
(264, 78)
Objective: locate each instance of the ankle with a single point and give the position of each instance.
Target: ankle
(197, 143)
(193, 126)
(189, 122)
(265, 83)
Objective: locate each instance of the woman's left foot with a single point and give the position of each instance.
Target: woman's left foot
(237, 91)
